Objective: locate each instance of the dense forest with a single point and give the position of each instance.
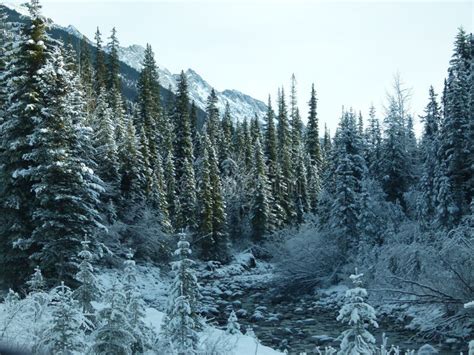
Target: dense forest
(91, 177)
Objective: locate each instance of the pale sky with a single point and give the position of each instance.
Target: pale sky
(350, 50)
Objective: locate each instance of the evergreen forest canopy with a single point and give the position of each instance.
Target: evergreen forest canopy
(80, 162)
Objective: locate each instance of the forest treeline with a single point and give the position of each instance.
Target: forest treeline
(78, 161)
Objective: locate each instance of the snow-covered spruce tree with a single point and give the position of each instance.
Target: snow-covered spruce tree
(100, 70)
(114, 334)
(212, 238)
(212, 121)
(64, 334)
(105, 145)
(181, 121)
(455, 139)
(113, 83)
(24, 102)
(300, 193)
(225, 144)
(295, 121)
(135, 310)
(312, 131)
(284, 155)
(186, 213)
(359, 315)
(428, 151)
(89, 289)
(373, 141)
(261, 210)
(66, 189)
(182, 323)
(233, 326)
(150, 117)
(396, 164)
(349, 169)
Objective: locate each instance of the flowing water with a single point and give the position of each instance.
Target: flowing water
(298, 324)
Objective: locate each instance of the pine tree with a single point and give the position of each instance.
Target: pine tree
(212, 121)
(100, 71)
(135, 309)
(301, 197)
(132, 179)
(114, 333)
(182, 322)
(261, 213)
(114, 85)
(395, 166)
(456, 138)
(22, 105)
(186, 213)
(359, 316)
(429, 148)
(349, 170)
(233, 327)
(105, 144)
(66, 189)
(284, 153)
(181, 119)
(89, 289)
(212, 226)
(65, 334)
(373, 151)
(149, 103)
(86, 74)
(225, 147)
(312, 132)
(296, 123)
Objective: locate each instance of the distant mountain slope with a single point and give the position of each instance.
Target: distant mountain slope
(242, 106)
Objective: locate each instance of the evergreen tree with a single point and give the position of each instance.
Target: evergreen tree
(65, 334)
(23, 103)
(135, 310)
(456, 138)
(182, 322)
(114, 333)
(105, 144)
(89, 289)
(66, 189)
(100, 71)
(261, 217)
(349, 170)
(183, 139)
(296, 123)
(312, 131)
(396, 164)
(286, 184)
(186, 212)
(212, 121)
(212, 226)
(359, 316)
(114, 85)
(86, 74)
(225, 148)
(149, 103)
(429, 148)
(233, 327)
(373, 151)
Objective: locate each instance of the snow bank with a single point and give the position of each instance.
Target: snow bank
(241, 344)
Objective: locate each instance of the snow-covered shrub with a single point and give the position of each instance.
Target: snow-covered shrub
(432, 272)
(216, 343)
(306, 259)
(359, 315)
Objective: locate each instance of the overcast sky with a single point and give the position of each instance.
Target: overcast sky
(350, 50)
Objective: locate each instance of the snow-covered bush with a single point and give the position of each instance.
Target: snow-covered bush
(306, 258)
(359, 315)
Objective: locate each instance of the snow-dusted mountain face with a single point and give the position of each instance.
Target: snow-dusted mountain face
(242, 106)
